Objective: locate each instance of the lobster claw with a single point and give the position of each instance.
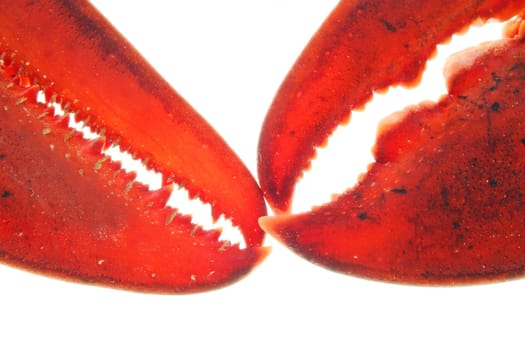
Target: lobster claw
(443, 202)
(69, 210)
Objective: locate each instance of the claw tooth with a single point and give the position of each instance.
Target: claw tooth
(145, 162)
(139, 188)
(168, 179)
(31, 92)
(171, 216)
(158, 198)
(79, 116)
(66, 108)
(23, 79)
(116, 142)
(215, 213)
(85, 121)
(53, 98)
(194, 230)
(132, 175)
(270, 224)
(192, 194)
(225, 246)
(212, 235)
(61, 121)
(115, 166)
(95, 146)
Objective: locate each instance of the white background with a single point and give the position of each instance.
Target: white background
(227, 58)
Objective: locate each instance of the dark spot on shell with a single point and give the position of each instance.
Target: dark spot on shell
(400, 190)
(362, 216)
(495, 106)
(6, 194)
(492, 183)
(389, 26)
(445, 196)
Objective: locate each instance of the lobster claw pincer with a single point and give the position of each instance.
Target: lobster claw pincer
(69, 210)
(443, 202)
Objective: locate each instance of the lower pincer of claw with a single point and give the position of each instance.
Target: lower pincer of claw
(68, 210)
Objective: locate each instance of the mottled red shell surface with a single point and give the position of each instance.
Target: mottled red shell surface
(68, 210)
(444, 201)
(364, 46)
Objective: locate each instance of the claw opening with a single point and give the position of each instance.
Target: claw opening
(180, 201)
(319, 183)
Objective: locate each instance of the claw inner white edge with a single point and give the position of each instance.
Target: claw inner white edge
(347, 154)
(200, 212)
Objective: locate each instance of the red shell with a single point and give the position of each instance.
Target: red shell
(364, 46)
(443, 203)
(67, 209)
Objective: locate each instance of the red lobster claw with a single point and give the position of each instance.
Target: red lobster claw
(444, 200)
(67, 209)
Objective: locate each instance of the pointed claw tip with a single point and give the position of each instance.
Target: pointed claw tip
(271, 224)
(265, 222)
(263, 254)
